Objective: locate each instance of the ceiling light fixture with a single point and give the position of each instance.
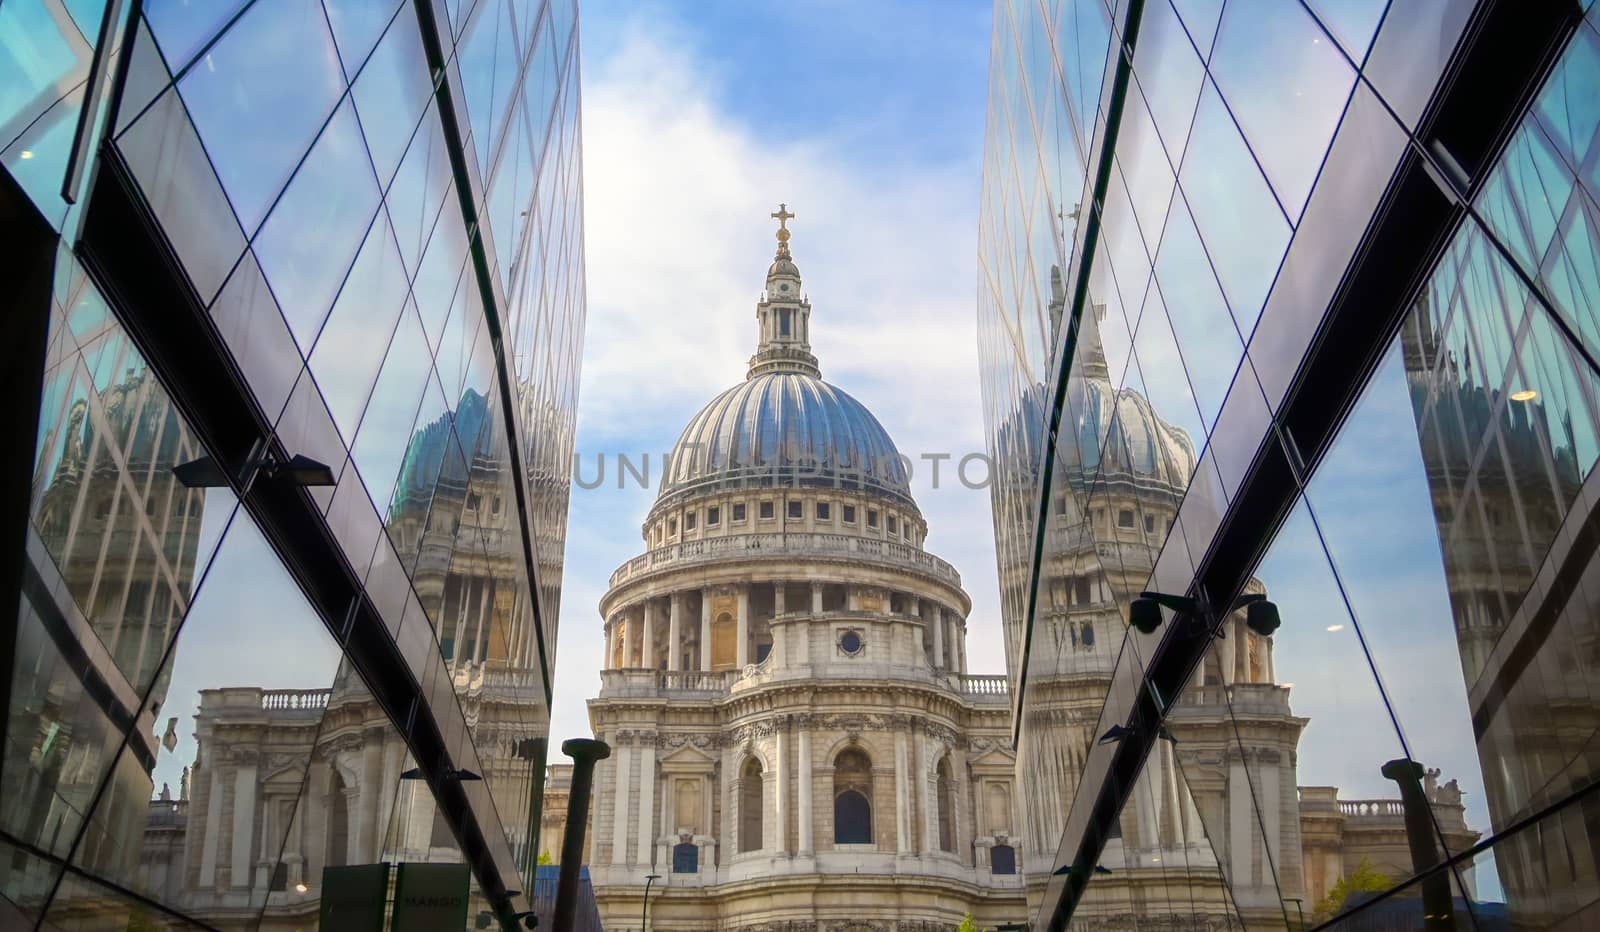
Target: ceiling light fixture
(26, 153)
(1336, 627)
(1527, 394)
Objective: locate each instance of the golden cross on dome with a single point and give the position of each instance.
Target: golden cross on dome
(783, 216)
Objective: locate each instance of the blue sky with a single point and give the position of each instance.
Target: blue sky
(868, 120)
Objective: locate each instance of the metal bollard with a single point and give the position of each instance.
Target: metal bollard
(1436, 899)
(584, 752)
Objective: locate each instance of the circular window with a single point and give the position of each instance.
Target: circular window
(850, 642)
(783, 286)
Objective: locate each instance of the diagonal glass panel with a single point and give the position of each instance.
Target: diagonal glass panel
(1398, 594)
(392, 91)
(222, 744)
(1287, 85)
(1238, 218)
(391, 413)
(351, 347)
(259, 96)
(357, 24)
(333, 194)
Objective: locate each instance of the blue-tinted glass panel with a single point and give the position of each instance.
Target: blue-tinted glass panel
(1287, 86)
(391, 413)
(1169, 73)
(350, 348)
(1241, 224)
(392, 91)
(1353, 22)
(181, 27)
(419, 189)
(259, 96)
(306, 246)
(357, 25)
(1199, 317)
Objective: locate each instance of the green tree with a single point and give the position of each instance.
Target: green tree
(1364, 879)
(967, 925)
(545, 858)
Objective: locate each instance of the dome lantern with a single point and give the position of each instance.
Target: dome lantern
(783, 314)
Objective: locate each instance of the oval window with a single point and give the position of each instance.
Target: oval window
(850, 641)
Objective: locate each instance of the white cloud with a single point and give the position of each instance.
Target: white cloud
(677, 192)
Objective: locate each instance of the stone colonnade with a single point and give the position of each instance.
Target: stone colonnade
(659, 632)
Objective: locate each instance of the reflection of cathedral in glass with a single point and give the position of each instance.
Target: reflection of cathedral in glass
(1118, 481)
(303, 320)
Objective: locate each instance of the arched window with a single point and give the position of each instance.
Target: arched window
(947, 825)
(750, 805)
(338, 824)
(852, 798)
(1002, 859)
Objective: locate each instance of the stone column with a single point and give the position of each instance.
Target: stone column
(958, 629)
(807, 848)
(780, 791)
(619, 818)
(647, 644)
(394, 759)
(780, 597)
(902, 795)
(1240, 823)
(213, 835)
(705, 634)
(1144, 807)
(244, 818)
(675, 633)
(352, 824)
(1194, 829)
(631, 644)
(852, 598)
(742, 657)
(371, 796)
(647, 800)
(1271, 804)
(816, 598)
(928, 796)
(938, 637)
(611, 644)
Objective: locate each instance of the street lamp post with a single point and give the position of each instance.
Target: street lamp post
(644, 913)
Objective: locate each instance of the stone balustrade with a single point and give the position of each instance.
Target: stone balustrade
(793, 545)
(295, 700)
(1372, 808)
(983, 684)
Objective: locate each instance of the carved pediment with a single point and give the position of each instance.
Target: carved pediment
(688, 757)
(995, 758)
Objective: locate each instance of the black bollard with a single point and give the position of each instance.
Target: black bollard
(584, 752)
(1436, 899)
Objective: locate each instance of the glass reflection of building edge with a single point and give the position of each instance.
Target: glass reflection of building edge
(283, 782)
(1125, 460)
(1485, 452)
(1498, 354)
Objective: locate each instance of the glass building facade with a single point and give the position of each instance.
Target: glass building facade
(292, 337)
(1296, 306)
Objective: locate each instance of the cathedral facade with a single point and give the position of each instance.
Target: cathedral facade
(796, 741)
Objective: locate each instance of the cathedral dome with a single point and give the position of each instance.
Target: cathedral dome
(785, 429)
(783, 426)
